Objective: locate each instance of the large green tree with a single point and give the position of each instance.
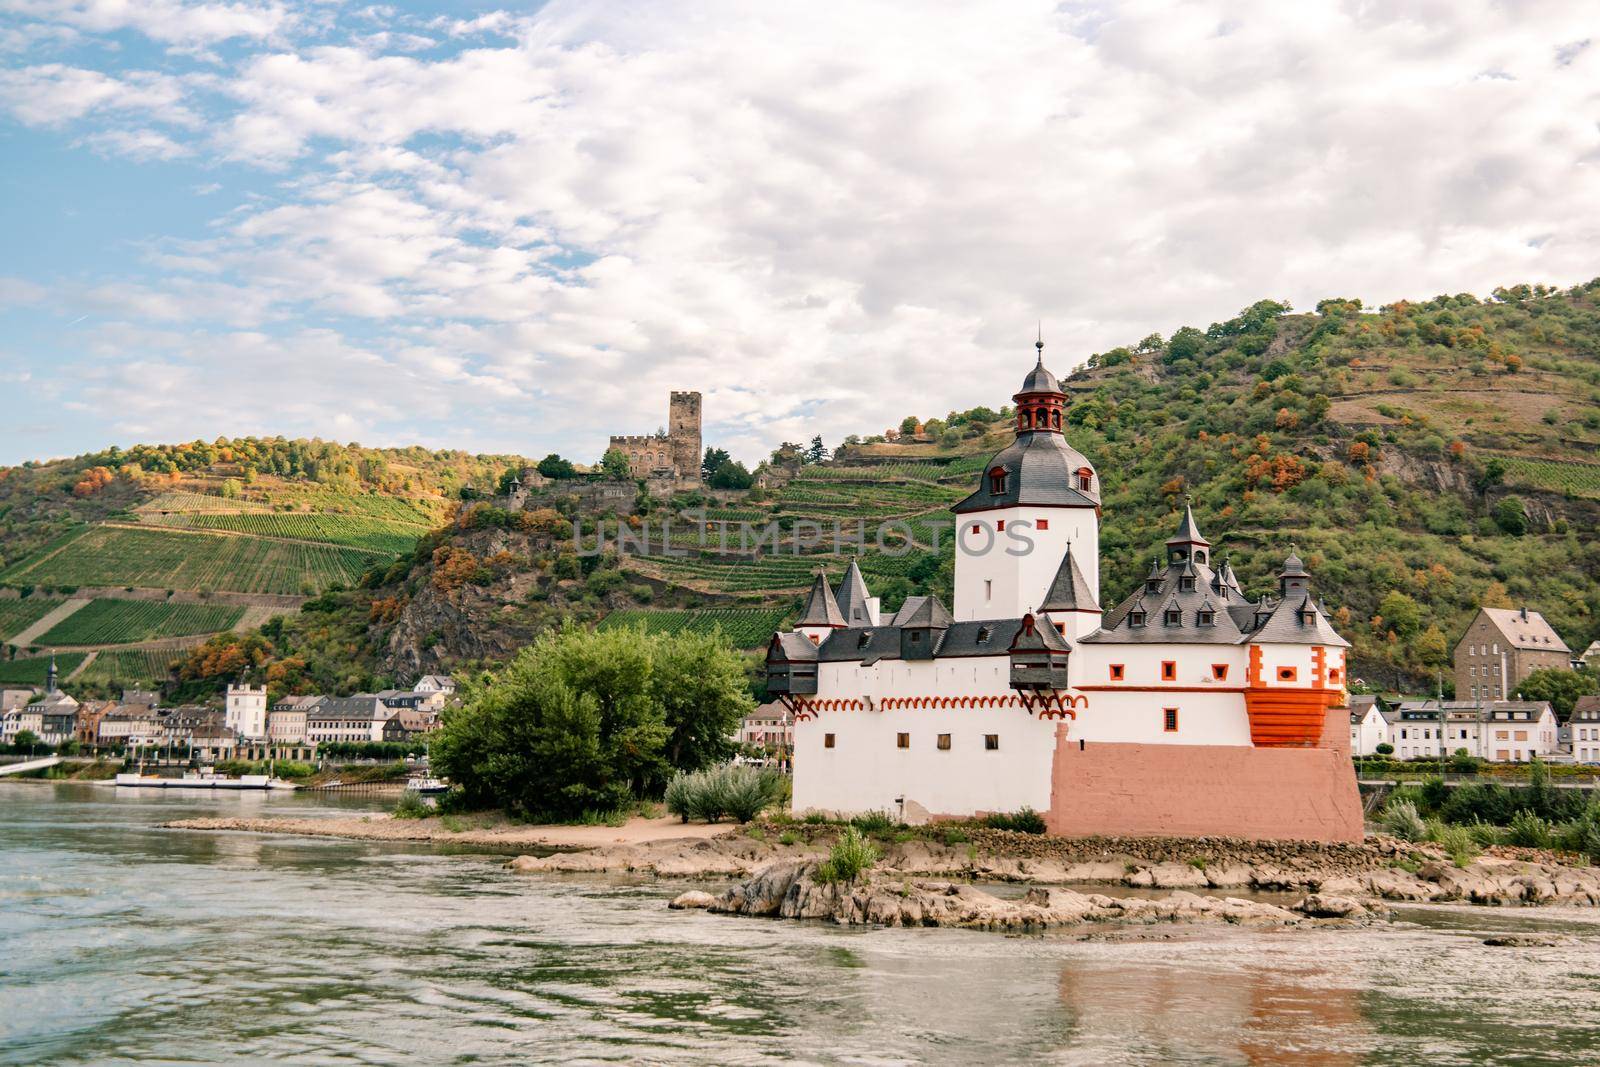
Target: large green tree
(584, 720)
(1561, 688)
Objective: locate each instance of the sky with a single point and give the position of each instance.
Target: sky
(516, 229)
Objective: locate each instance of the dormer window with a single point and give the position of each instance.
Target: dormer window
(1173, 617)
(865, 639)
(1136, 617)
(1208, 617)
(1085, 479)
(997, 481)
(984, 633)
(1152, 585)
(1186, 583)
(1307, 617)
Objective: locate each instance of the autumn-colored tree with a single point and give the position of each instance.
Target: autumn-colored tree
(1359, 451)
(453, 567)
(1288, 419)
(92, 481)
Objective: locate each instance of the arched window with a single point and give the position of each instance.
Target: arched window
(997, 481)
(1055, 420)
(1085, 479)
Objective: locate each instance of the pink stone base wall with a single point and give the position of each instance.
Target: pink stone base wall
(1306, 794)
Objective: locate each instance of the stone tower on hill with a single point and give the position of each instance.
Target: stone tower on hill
(675, 454)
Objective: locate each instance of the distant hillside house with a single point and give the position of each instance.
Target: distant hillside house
(1585, 725)
(1501, 648)
(1368, 729)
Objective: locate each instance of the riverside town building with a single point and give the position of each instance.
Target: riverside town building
(1186, 709)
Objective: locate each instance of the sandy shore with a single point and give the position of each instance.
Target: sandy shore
(496, 832)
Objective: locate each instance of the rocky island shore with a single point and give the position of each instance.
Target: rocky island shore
(921, 867)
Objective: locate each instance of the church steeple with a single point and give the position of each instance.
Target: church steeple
(1041, 400)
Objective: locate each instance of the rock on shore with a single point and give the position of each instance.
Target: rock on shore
(790, 890)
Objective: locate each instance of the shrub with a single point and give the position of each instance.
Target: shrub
(732, 790)
(788, 837)
(1457, 841)
(1490, 802)
(1401, 820)
(1529, 831)
(1384, 748)
(874, 822)
(411, 806)
(1434, 794)
(852, 855)
(1024, 821)
(1485, 834)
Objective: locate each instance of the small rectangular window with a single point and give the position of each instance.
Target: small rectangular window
(991, 742)
(827, 740)
(1169, 720)
(1116, 672)
(1169, 670)
(944, 742)
(1219, 671)
(902, 740)
(1043, 524)
(988, 589)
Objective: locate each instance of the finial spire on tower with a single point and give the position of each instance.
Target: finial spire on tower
(1038, 345)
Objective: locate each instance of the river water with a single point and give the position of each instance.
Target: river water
(121, 942)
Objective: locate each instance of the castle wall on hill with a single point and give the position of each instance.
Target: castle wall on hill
(675, 454)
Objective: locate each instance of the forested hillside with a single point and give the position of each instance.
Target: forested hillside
(1423, 458)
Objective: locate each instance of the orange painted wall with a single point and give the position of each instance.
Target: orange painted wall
(1306, 794)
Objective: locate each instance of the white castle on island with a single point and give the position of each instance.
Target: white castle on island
(1186, 709)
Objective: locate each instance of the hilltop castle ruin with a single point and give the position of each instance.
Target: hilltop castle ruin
(674, 453)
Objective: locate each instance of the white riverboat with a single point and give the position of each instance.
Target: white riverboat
(201, 779)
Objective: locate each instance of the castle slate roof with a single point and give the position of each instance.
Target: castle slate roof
(868, 644)
(1069, 590)
(795, 647)
(1233, 620)
(1297, 620)
(1039, 380)
(821, 607)
(1041, 468)
(923, 612)
(852, 597)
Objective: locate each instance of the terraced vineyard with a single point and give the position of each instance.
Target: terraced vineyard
(1577, 479)
(745, 628)
(130, 667)
(180, 501)
(354, 531)
(161, 559)
(17, 615)
(32, 671)
(121, 622)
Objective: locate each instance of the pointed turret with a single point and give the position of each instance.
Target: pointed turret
(50, 677)
(856, 607)
(822, 609)
(1188, 542)
(1070, 590)
(1293, 577)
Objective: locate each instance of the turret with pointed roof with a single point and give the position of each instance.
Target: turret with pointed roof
(822, 609)
(1070, 590)
(855, 604)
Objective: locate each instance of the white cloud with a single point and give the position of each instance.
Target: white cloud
(171, 22)
(825, 218)
(51, 94)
